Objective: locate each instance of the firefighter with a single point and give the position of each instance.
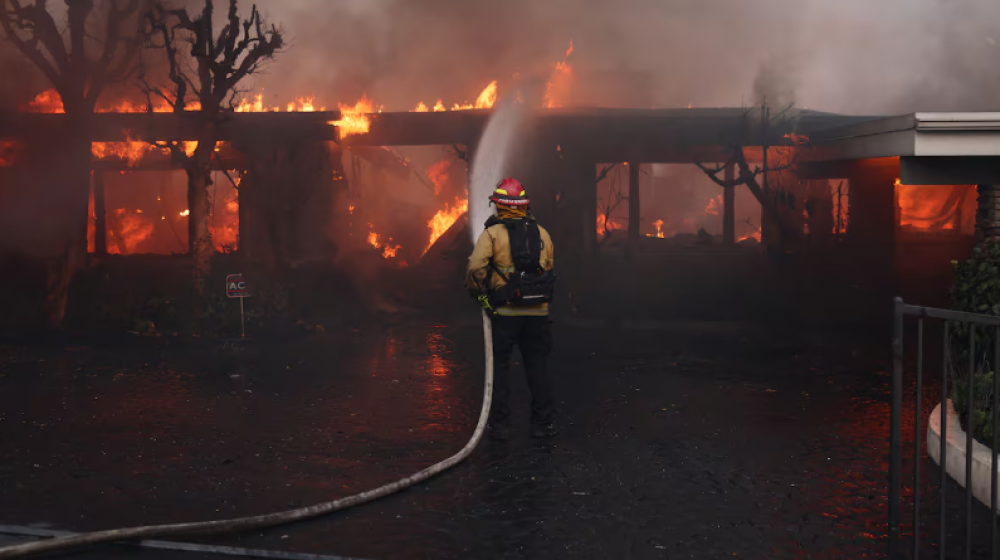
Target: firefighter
(511, 274)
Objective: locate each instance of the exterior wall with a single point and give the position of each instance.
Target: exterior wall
(988, 212)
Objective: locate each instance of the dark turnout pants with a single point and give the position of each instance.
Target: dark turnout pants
(532, 335)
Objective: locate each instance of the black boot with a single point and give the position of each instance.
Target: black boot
(544, 430)
(499, 432)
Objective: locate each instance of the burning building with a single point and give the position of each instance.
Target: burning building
(296, 182)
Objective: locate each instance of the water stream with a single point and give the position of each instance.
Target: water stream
(493, 160)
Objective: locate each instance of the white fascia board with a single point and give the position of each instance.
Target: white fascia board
(981, 142)
(958, 121)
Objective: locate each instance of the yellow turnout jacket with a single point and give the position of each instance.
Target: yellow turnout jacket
(494, 246)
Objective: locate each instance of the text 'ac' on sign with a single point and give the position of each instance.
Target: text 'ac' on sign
(236, 286)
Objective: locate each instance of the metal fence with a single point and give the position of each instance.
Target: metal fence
(951, 319)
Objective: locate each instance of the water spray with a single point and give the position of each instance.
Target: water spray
(492, 160)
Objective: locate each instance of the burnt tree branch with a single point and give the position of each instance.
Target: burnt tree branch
(604, 172)
(78, 79)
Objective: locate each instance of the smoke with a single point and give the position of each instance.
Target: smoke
(26, 81)
(850, 56)
(853, 56)
(494, 158)
(776, 83)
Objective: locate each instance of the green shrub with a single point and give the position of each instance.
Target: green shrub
(982, 394)
(977, 280)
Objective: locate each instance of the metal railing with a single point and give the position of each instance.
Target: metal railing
(972, 320)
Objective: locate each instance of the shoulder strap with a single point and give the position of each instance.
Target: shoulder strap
(492, 221)
(525, 244)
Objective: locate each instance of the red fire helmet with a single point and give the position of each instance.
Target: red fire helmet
(511, 193)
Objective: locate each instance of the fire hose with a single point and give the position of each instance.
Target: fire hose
(240, 524)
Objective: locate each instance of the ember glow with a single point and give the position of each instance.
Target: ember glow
(444, 219)
(9, 151)
(797, 139)
(161, 106)
(224, 224)
(935, 208)
(714, 207)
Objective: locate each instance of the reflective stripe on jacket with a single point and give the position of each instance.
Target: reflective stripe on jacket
(494, 246)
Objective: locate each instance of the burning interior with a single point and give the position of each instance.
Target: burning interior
(285, 183)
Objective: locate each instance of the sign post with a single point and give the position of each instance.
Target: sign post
(236, 287)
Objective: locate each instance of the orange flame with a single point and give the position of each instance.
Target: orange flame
(611, 225)
(304, 105)
(132, 230)
(375, 240)
(48, 101)
(187, 147)
(131, 151)
(486, 100)
(488, 97)
(658, 224)
(355, 120)
(438, 174)
(444, 219)
(255, 106)
(714, 206)
(559, 81)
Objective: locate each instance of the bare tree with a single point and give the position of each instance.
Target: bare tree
(204, 71)
(96, 47)
(607, 207)
(758, 179)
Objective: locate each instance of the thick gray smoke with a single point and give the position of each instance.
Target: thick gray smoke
(851, 56)
(855, 56)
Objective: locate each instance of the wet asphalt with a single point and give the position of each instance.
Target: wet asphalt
(679, 441)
